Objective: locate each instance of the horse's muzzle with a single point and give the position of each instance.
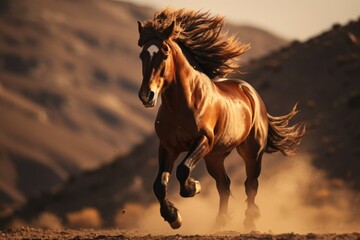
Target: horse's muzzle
(148, 99)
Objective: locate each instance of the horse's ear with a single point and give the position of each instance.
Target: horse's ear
(140, 26)
(169, 30)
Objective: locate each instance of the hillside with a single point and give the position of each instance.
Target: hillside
(322, 74)
(69, 76)
(261, 41)
(67, 90)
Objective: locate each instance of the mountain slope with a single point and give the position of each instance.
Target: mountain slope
(261, 41)
(67, 84)
(322, 74)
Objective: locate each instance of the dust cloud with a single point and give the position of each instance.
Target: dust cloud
(293, 196)
(87, 217)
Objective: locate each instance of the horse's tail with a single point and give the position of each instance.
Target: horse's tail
(281, 136)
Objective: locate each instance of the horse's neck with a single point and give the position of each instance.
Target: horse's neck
(186, 78)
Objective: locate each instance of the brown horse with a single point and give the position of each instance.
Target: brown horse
(181, 52)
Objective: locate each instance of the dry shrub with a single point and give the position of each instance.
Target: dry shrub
(18, 222)
(88, 217)
(47, 220)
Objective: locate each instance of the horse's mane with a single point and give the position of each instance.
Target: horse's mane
(201, 34)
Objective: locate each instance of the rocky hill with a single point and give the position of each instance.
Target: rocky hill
(322, 74)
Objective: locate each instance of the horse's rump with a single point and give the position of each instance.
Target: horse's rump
(272, 133)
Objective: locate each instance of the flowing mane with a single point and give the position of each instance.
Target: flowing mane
(200, 33)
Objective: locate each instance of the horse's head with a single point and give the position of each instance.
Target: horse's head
(156, 62)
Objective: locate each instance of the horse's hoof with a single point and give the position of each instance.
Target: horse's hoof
(249, 225)
(191, 188)
(177, 223)
(197, 187)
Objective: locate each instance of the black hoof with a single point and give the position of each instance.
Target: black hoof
(170, 214)
(177, 223)
(190, 188)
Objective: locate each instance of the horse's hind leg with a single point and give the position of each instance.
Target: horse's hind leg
(216, 169)
(249, 152)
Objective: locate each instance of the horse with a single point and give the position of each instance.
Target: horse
(185, 60)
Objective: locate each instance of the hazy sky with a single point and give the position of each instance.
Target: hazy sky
(293, 19)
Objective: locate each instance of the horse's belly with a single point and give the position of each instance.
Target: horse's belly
(229, 141)
(235, 128)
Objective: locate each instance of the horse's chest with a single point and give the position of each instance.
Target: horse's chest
(177, 132)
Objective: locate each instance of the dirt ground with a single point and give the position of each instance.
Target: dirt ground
(78, 234)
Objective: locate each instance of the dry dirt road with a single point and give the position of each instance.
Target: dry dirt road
(79, 234)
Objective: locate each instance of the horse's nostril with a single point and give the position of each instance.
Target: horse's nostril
(151, 96)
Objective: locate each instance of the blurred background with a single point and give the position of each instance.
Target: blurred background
(78, 149)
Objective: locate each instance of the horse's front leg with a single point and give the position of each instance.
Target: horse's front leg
(167, 209)
(188, 186)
